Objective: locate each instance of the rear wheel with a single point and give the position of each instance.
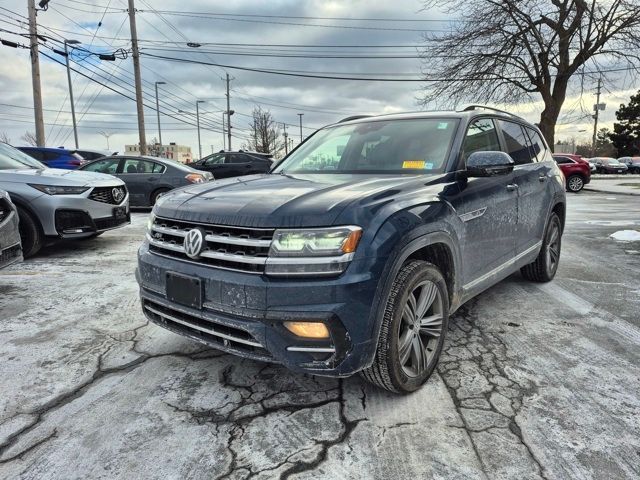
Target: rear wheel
(545, 266)
(157, 194)
(575, 183)
(30, 234)
(413, 329)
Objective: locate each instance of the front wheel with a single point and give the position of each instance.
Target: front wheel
(415, 320)
(545, 266)
(575, 183)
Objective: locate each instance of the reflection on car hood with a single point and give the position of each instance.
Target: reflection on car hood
(57, 176)
(282, 200)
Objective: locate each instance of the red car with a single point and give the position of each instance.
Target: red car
(576, 170)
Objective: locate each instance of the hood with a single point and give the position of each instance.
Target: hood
(271, 201)
(57, 176)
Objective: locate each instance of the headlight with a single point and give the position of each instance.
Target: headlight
(321, 242)
(312, 252)
(150, 222)
(59, 190)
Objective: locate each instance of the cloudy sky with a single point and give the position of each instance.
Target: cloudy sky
(102, 26)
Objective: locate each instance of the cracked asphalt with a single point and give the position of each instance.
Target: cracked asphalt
(536, 380)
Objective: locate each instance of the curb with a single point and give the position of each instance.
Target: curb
(609, 192)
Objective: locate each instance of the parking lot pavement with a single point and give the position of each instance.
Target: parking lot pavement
(536, 381)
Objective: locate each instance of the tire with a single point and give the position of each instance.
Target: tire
(157, 194)
(575, 183)
(400, 335)
(30, 233)
(545, 266)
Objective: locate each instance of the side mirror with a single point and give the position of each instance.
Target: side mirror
(489, 164)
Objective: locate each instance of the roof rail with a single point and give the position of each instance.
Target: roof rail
(354, 117)
(469, 108)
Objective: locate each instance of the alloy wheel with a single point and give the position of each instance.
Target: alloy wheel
(420, 328)
(553, 247)
(575, 184)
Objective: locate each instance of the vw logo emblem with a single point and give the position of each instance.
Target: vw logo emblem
(118, 194)
(193, 243)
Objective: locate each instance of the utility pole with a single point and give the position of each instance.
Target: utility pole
(73, 108)
(158, 112)
(286, 143)
(228, 114)
(224, 139)
(198, 102)
(596, 107)
(138, 78)
(35, 73)
(300, 115)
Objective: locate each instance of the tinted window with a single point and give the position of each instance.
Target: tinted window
(214, 159)
(236, 158)
(537, 145)
(103, 166)
(133, 165)
(35, 154)
(562, 160)
(516, 142)
(49, 156)
(481, 137)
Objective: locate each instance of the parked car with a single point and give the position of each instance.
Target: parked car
(577, 171)
(10, 248)
(54, 157)
(609, 165)
(632, 163)
(55, 203)
(353, 253)
(147, 178)
(592, 164)
(89, 155)
(234, 164)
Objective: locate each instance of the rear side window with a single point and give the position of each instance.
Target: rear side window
(562, 160)
(49, 156)
(516, 142)
(157, 168)
(538, 146)
(481, 137)
(103, 166)
(35, 154)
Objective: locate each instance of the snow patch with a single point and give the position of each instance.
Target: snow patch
(626, 236)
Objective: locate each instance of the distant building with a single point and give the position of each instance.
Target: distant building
(179, 153)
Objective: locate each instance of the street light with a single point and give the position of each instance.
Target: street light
(73, 108)
(158, 112)
(229, 113)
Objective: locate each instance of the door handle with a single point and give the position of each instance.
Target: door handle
(512, 187)
(542, 177)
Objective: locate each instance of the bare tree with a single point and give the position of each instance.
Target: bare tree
(515, 50)
(29, 138)
(4, 137)
(264, 133)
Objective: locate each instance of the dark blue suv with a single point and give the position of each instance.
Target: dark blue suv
(351, 255)
(54, 157)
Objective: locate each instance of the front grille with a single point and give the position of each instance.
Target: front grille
(105, 194)
(5, 209)
(9, 254)
(110, 222)
(235, 248)
(214, 334)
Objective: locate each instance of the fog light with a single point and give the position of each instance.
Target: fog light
(308, 329)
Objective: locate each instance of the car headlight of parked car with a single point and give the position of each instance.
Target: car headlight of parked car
(59, 190)
(150, 221)
(318, 251)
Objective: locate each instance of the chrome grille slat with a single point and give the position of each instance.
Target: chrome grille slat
(211, 330)
(229, 247)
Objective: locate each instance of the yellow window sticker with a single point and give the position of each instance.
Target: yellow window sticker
(413, 164)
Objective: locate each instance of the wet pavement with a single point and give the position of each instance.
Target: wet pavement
(536, 380)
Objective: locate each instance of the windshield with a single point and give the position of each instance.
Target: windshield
(612, 162)
(391, 147)
(12, 158)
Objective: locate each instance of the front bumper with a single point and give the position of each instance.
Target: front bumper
(77, 216)
(10, 248)
(243, 313)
